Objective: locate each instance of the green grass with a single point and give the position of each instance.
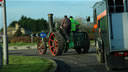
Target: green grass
(27, 64)
(21, 44)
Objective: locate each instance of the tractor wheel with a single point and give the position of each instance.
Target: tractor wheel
(66, 48)
(41, 47)
(86, 49)
(78, 50)
(85, 46)
(56, 43)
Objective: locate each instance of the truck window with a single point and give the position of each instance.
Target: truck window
(111, 9)
(111, 6)
(111, 2)
(116, 6)
(119, 5)
(119, 2)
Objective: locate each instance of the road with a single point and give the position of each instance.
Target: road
(71, 61)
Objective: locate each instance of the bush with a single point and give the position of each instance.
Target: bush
(24, 39)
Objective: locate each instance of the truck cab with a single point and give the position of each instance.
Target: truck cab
(110, 27)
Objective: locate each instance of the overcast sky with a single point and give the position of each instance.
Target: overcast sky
(41, 8)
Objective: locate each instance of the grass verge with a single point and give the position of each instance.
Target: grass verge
(27, 64)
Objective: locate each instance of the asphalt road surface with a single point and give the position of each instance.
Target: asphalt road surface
(71, 61)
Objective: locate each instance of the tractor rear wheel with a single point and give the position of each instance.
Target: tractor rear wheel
(56, 43)
(66, 48)
(78, 50)
(41, 47)
(84, 49)
(84, 43)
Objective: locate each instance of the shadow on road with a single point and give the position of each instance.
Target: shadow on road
(71, 61)
(62, 66)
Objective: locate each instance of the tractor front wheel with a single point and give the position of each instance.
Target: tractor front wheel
(41, 47)
(56, 43)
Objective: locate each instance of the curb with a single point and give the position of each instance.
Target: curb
(54, 66)
(62, 66)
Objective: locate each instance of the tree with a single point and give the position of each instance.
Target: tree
(34, 25)
(13, 24)
(80, 20)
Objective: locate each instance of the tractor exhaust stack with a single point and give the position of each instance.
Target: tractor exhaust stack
(50, 21)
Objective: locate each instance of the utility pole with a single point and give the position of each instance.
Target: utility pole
(5, 38)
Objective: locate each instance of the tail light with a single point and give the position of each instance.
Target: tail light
(121, 54)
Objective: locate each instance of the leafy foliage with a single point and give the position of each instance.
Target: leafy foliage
(13, 24)
(34, 25)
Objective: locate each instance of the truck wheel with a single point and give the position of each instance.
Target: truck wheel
(56, 43)
(41, 47)
(99, 55)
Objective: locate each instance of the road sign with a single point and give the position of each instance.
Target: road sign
(43, 35)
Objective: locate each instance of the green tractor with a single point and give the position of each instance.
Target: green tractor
(56, 42)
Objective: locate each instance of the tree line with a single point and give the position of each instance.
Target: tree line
(33, 25)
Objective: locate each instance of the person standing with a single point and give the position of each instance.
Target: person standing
(66, 26)
(74, 24)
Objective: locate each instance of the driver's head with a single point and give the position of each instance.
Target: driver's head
(71, 17)
(65, 16)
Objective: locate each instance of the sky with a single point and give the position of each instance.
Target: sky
(41, 8)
